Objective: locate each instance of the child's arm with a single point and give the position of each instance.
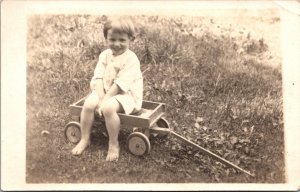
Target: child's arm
(97, 80)
(99, 88)
(114, 90)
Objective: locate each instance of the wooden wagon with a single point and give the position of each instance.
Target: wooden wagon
(149, 119)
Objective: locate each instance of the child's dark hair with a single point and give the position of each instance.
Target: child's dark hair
(120, 25)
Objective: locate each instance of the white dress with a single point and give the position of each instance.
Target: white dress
(123, 70)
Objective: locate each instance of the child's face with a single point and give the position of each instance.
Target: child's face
(117, 42)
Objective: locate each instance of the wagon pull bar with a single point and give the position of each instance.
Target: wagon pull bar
(203, 150)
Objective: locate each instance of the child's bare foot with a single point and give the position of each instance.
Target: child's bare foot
(113, 153)
(80, 147)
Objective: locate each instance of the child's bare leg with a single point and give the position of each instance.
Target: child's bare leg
(86, 121)
(112, 121)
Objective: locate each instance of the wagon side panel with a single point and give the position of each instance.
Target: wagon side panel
(134, 121)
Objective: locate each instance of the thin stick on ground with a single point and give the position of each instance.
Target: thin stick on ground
(216, 84)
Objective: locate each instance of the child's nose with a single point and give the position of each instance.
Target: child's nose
(117, 44)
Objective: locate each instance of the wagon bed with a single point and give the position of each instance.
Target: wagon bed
(146, 117)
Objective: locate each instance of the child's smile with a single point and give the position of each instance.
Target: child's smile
(117, 42)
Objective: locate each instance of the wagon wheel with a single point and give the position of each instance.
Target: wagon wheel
(73, 132)
(162, 123)
(138, 144)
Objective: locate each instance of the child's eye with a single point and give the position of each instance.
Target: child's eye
(110, 39)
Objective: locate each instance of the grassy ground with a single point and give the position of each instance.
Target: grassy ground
(220, 80)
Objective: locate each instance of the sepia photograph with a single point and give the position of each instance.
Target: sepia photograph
(181, 93)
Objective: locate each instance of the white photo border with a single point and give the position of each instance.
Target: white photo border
(13, 86)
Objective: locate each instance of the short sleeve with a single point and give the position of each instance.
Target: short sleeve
(100, 67)
(128, 74)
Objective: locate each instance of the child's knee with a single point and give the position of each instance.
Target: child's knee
(89, 107)
(110, 108)
(90, 104)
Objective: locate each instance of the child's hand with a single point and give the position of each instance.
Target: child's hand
(100, 105)
(99, 109)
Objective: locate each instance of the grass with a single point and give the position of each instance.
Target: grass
(222, 88)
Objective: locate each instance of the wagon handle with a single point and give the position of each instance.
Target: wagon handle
(203, 150)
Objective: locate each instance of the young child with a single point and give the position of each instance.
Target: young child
(117, 86)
